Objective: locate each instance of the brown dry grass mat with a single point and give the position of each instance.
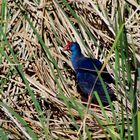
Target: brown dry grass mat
(56, 24)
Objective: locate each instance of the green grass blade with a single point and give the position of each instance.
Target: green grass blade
(21, 73)
(30, 133)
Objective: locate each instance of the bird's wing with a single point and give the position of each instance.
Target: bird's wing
(92, 65)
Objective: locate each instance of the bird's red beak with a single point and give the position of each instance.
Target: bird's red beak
(67, 47)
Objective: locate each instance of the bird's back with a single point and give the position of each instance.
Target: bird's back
(92, 66)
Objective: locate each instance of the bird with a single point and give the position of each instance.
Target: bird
(87, 76)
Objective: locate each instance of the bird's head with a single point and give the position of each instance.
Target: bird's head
(73, 47)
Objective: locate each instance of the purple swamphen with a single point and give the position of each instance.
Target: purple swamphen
(87, 76)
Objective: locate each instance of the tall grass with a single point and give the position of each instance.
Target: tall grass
(38, 94)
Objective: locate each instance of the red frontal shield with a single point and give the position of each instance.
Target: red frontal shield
(67, 47)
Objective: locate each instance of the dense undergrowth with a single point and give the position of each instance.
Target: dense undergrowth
(38, 96)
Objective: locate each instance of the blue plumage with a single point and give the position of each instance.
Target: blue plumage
(86, 74)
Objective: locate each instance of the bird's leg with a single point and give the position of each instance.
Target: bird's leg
(89, 103)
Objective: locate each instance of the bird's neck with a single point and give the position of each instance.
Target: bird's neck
(75, 56)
